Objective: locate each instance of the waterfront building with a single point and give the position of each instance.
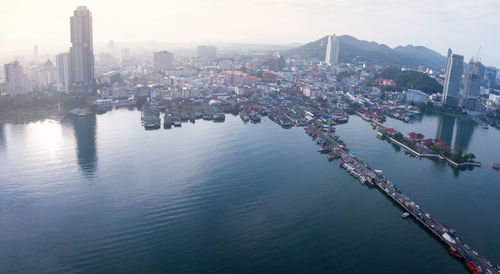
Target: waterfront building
(81, 60)
(473, 77)
(490, 75)
(453, 80)
(16, 81)
(415, 96)
(494, 100)
(62, 74)
(163, 60)
(207, 51)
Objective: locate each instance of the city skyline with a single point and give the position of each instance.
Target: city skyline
(209, 21)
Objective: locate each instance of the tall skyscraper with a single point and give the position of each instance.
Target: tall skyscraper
(332, 50)
(35, 53)
(62, 75)
(207, 51)
(81, 53)
(490, 76)
(453, 80)
(473, 77)
(112, 47)
(163, 60)
(328, 53)
(16, 81)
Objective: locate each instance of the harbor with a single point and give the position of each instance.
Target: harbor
(364, 173)
(323, 132)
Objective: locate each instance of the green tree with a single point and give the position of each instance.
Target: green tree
(398, 136)
(436, 148)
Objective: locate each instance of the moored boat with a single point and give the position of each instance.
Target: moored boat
(454, 253)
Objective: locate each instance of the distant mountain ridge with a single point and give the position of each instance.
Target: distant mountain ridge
(354, 50)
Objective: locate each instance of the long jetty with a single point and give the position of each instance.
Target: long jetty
(360, 169)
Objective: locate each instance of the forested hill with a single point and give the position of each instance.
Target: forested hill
(353, 50)
(411, 79)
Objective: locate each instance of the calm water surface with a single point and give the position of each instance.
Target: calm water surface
(104, 195)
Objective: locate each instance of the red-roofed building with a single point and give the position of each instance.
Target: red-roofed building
(268, 76)
(390, 130)
(385, 82)
(415, 136)
(235, 77)
(251, 79)
(443, 146)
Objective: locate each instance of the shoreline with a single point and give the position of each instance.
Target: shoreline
(25, 121)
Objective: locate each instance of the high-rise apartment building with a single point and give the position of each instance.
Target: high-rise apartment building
(332, 50)
(453, 80)
(490, 76)
(276, 63)
(62, 74)
(473, 77)
(16, 82)
(81, 53)
(35, 54)
(163, 60)
(47, 74)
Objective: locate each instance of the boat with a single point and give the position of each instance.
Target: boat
(330, 157)
(484, 126)
(244, 117)
(447, 236)
(406, 214)
(495, 166)
(454, 253)
(219, 117)
(472, 267)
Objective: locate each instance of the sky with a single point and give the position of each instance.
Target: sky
(463, 25)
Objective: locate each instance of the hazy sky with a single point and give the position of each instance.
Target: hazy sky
(463, 25)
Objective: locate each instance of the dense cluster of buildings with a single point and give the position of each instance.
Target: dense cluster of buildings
(119, 75)
(462, 89)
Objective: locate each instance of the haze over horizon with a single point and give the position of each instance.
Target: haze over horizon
(461, 25)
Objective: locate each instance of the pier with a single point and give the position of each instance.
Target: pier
(448, 237)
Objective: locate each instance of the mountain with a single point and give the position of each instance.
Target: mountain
(354, 50)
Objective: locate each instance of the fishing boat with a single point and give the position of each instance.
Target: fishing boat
(330, 157)
(495, 166)
(406, 214)
(454, 253)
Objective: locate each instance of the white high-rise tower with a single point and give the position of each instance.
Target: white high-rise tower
(332, 50)
(328, 54)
